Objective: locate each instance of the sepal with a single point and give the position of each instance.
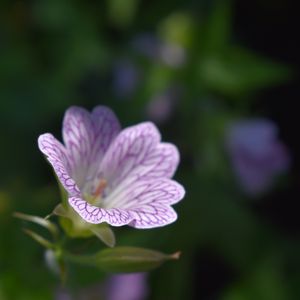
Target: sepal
(40, 221)
(38, 238)
(75, 226)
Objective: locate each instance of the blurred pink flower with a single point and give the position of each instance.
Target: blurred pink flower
(125, 78)
(161, 106)
(127, 287)
(131, 286)
(256, 153)
(154, 48)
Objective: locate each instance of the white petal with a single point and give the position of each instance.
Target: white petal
(87, 137)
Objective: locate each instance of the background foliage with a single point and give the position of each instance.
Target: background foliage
(190, 66)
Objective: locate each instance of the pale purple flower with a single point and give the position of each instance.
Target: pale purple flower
(256, 153)
(112, 175)
(162, 105)
(147, 44)
(132, 286)
(159, 108)
(127, 287)
(125, 78)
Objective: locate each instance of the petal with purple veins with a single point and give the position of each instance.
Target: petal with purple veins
(162, 162)
(150, 160)
(96, 215)
(56, 155)
(147, 201)
(145, 205)
(77, 136)
(87, 137)
(128, 151)
(106, 127)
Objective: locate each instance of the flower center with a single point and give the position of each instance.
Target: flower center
(95, 197)
(100, 188)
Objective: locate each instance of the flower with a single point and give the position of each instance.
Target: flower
(156, 49)
(131, 286)
(125, 78)
(121, 177)
(162, 106)
(256, 153)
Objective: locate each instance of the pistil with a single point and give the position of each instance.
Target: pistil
(96, 196)
(100, 188)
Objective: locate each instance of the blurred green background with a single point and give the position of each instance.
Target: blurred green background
(192, 67)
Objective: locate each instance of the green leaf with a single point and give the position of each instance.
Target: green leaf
(236, 72)
(123, 259)
(38, 220)
(130, 259)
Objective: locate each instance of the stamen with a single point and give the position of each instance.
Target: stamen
(100, 188)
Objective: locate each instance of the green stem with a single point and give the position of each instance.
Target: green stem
(79, 259)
